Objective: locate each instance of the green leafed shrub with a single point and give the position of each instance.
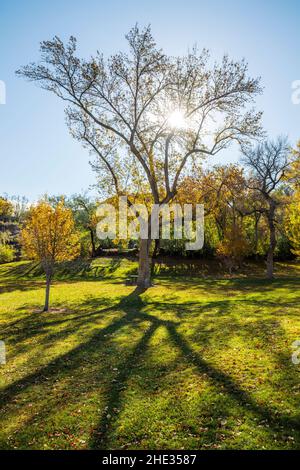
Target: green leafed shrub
(7, 253)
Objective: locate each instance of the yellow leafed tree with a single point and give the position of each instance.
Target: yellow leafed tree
(6, 207)
(49, 236)
(292, 224)
(233, 248)
(292, 218)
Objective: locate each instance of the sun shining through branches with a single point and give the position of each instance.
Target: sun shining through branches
(177, 120)
(153, 106)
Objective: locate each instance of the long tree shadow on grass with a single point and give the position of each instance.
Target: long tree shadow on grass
(132, 307)
(24, 285)
(63, 362)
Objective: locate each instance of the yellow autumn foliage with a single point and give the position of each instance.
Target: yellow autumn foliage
(292, 223)
(6, 207)
(233, 248)
(49, 234)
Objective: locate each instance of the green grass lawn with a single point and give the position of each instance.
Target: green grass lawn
(193, 363)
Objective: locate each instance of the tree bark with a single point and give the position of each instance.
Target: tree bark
(47, 296)
(272, 246)
(144, 272)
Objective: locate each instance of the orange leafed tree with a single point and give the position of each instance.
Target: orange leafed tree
(49, 236)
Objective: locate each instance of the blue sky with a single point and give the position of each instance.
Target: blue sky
(37, 155)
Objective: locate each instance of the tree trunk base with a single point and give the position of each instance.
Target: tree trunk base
(144, 283)
(144, 272)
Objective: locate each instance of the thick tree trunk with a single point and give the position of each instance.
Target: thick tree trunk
(47, 296)
(272, 246)
(144, 272)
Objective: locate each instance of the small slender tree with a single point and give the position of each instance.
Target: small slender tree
(268, 163)
(144, 107)
(49, 236)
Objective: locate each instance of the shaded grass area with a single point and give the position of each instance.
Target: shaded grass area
(195, 362)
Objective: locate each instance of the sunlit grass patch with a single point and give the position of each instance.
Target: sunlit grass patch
(190, 363)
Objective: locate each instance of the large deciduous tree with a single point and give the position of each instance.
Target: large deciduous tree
(268, 164)
(146, 109)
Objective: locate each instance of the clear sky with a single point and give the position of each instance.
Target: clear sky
(37, 155)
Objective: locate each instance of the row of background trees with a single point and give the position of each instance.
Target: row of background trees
(13, 211)
(251, 211)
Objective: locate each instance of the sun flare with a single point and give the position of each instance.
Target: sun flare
(177, 119)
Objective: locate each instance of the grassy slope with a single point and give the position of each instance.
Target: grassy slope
(191, 363)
